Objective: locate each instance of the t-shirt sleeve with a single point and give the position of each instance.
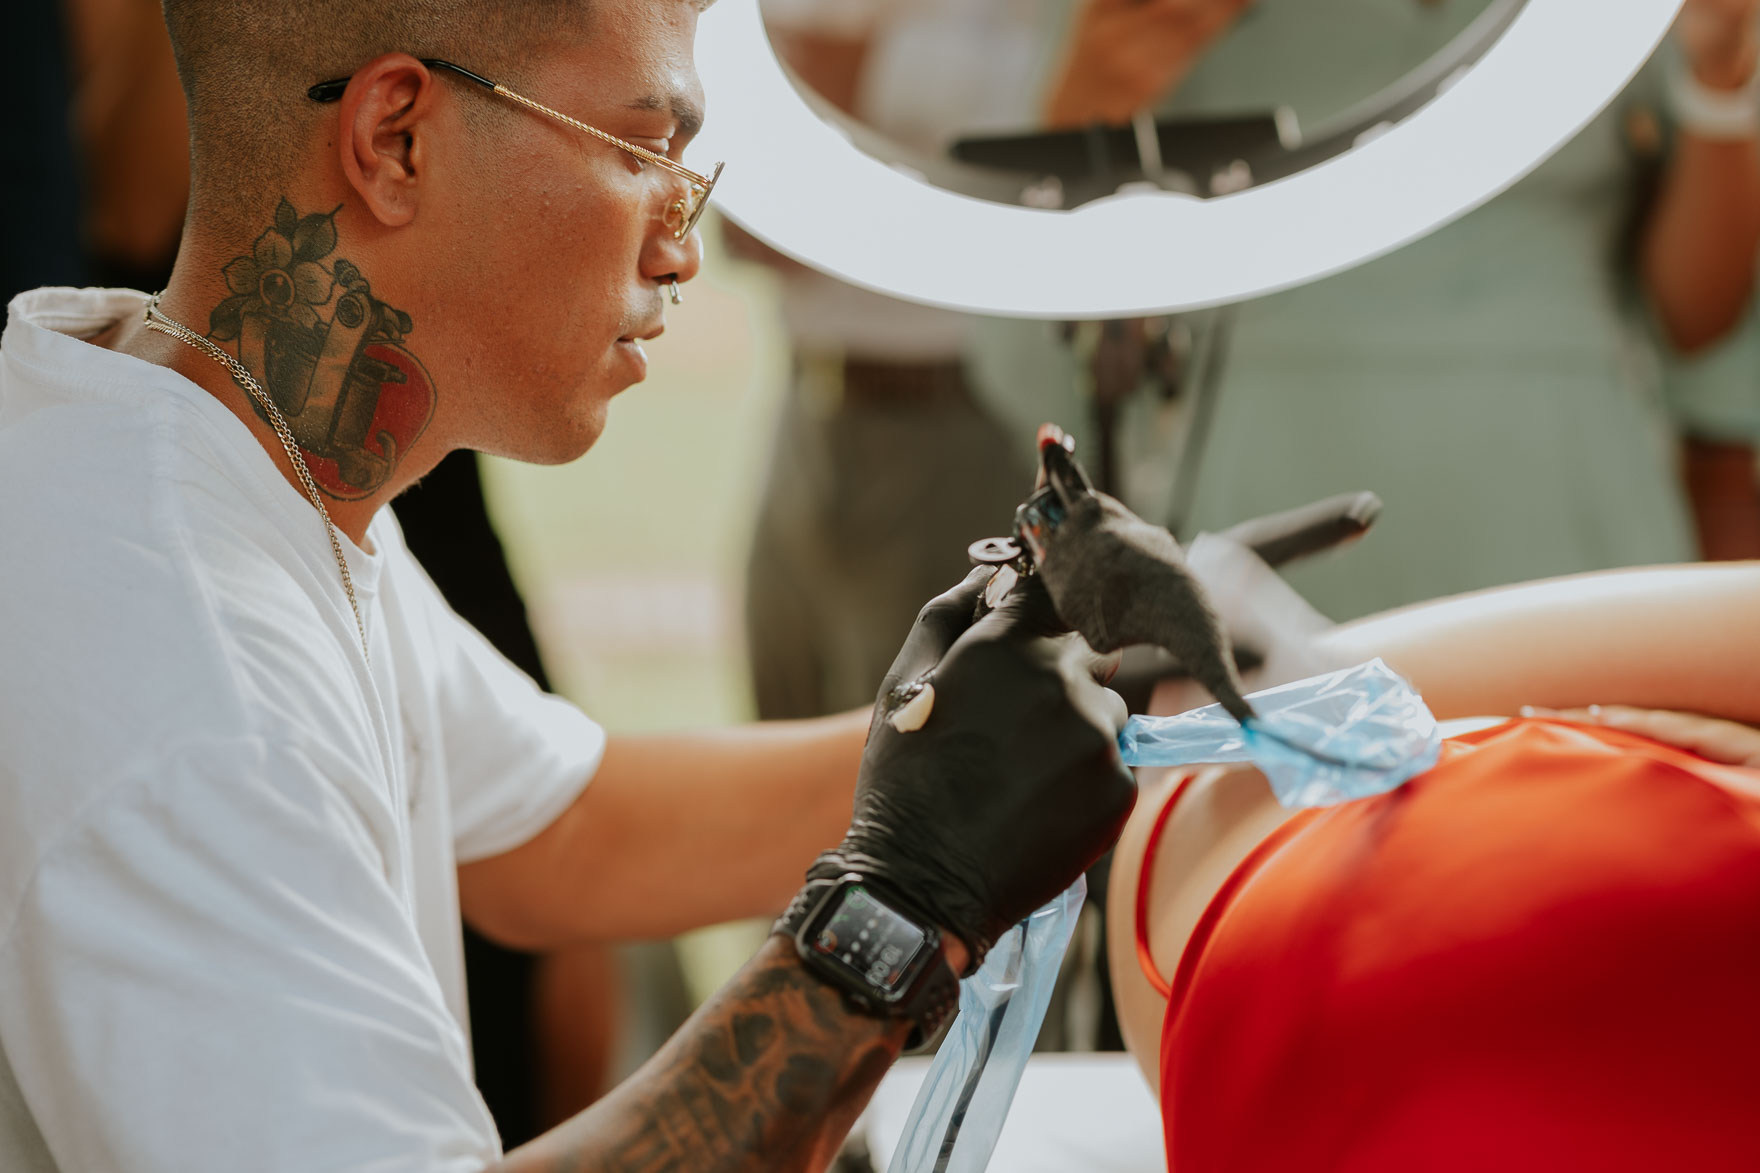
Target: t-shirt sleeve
(216, 968)
(515, 756)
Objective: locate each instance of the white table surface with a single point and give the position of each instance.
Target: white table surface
(1091, 1113)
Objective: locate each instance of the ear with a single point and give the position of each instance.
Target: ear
(387, 116)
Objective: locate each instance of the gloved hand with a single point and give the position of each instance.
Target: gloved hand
(1270, 627)
(1011, 786)
(1307, 529)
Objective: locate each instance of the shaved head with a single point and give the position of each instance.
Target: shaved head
(246, 64)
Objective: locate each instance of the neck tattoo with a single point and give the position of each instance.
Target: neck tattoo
(322, 360)
(309, 328)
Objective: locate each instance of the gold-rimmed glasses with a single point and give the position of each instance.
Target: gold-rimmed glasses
(683, 213)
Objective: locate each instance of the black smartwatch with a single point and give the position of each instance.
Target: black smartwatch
(880, 958)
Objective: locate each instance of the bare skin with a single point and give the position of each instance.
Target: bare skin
(1729, 742)
(662, 812)
(1725, 494)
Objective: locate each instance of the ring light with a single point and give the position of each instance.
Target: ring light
(798, 183)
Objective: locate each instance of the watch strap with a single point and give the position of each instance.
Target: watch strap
(804, 904)
(935, 1003)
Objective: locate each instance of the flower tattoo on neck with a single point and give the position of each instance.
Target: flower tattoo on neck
(328, 352)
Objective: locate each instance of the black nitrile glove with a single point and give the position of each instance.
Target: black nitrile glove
(1308, 529)
(1120, 582)
(1011, 787)
(1264, 619)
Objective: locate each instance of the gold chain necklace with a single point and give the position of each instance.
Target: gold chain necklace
(156, 319)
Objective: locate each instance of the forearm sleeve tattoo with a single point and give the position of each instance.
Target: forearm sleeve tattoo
(768, 1075)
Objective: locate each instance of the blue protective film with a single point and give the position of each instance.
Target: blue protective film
(959, 1110)
(1327, 739)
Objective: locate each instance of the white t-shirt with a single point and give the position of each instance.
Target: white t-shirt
(228, 910)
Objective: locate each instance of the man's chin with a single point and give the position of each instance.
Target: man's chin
(570, 443)
(557, 440)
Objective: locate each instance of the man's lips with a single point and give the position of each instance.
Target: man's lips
(646, 336)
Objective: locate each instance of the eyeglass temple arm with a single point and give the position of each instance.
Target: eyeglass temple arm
(330, 91)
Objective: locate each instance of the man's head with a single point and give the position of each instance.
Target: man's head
(504, 260)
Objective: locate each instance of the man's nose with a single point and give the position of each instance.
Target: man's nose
(670, 259)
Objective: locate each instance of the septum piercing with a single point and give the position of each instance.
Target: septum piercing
(672, 292)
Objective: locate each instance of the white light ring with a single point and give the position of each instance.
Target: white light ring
(797, 183)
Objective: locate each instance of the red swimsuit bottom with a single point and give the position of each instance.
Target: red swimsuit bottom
(1543, 954)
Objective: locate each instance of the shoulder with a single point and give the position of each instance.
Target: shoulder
(144, 573)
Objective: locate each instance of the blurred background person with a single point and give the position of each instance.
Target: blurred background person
(1699, 260)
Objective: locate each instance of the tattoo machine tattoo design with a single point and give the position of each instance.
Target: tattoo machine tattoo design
(329, 352)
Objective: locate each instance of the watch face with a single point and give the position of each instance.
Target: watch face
(871, 941)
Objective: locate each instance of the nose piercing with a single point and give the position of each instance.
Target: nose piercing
(672, 291)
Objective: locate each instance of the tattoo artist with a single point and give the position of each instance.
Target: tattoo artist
(252, 767)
